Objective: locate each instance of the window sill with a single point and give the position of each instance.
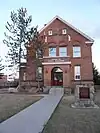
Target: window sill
(77, 79)
(64, 34)
(76, 57)
(50, 35)
(55, 56)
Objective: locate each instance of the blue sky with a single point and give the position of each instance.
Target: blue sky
(83, 14)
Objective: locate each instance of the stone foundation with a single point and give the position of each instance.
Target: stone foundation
(75, 83)
(67, 90)
(30, 86)
(84, 102)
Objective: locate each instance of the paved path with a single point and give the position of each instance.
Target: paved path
(33, 118)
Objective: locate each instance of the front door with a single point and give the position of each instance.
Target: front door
(56, 77)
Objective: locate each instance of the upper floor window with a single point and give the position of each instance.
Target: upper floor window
(64, 31)
(50, 32)
(62, 51)
(76, 51)
(38, 53)
(52, 52)
(77, 74)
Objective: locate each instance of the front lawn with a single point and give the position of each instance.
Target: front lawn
(68, 120)
(11, 104)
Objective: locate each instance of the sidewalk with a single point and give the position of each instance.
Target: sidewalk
(33, 118)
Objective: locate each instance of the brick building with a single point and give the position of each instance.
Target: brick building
(3, 78)
(67, 60)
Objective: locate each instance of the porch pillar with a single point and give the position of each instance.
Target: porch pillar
(67, 79)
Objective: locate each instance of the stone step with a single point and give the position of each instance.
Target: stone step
(3, 90)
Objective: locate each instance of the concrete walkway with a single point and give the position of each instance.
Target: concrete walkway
(33, 118)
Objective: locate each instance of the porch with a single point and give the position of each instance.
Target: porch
(57, 71)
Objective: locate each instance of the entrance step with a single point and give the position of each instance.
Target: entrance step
(55, 90)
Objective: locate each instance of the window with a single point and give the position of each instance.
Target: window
(40, 70)
(63, 51)
(76, 51)
(24, 76)
(52, 52)
(64, 31)
(77, 75)
(50, 32)
(38, 53)
(39, 73)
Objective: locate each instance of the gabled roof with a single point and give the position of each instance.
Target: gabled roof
(77, 30)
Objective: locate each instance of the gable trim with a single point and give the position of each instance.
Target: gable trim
(77, 30)
(88, 42)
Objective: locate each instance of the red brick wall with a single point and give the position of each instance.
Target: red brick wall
(57, 39)
(62, 40)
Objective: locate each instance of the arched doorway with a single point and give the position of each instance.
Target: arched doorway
(56, 77)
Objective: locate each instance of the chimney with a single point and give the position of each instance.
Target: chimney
(45, 24)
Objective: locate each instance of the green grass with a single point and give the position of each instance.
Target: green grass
(10, 104)
(68, 120)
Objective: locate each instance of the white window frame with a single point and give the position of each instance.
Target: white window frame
(46, 39)
(75, 52)
(61, 52)
(69, 38)
(40, 70)
(77, 72)
(64, 31)
(50, 32)
(50, 52)
(38, 54)
(24, 76)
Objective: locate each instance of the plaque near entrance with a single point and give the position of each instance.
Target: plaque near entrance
(84, 97)
(84, 93)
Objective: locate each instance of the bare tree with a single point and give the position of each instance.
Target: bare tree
(1, 65)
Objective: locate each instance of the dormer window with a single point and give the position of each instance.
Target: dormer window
(50, 32)
(64, 31)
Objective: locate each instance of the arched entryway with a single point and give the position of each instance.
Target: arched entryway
(56, 77)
